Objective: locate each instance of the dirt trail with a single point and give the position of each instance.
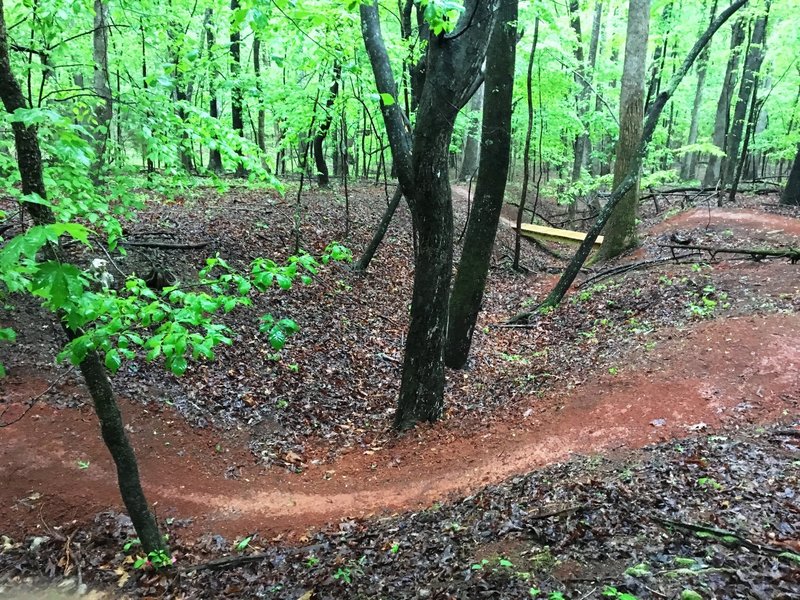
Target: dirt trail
(718, 373)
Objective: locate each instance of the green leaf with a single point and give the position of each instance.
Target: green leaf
(277, 338)
(59, 284)
(387, 99)
(178, 365)
(7, 334)
(113, 360)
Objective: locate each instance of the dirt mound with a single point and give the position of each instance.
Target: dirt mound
(720, 373)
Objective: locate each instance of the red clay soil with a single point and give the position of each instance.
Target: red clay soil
(733, 218)
(719, 373)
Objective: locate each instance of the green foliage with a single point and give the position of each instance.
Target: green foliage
(158, 559)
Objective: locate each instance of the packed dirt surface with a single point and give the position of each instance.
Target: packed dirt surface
(720, 373)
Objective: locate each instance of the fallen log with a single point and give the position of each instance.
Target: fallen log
(793, 254)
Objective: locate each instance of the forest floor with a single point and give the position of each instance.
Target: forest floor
(295, 448)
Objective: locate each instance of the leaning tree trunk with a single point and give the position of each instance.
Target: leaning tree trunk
(620, 233)
(29, 159)
(573, 268)
(102, 88)
(323, 177)
(752, 66)
(470, 281)
(791, 194)
(453, 64)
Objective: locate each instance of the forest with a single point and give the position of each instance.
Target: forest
(400, 299)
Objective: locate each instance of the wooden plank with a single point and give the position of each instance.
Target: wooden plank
(564, 236)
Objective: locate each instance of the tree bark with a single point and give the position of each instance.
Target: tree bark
(472, 144)
(526, 153)
(237, 122)
(470, 281)
(452, 65)
(29, 159)
(261, 118)
(722, 119)
(752, 66)
(214, 154)
(791, 194)
(323, 177)
(104, 111)
(620, 233)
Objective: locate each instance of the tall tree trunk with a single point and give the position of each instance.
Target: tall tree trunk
(689, 164)
(102, 87)
(470, 281)
(453, 63)
(472, 143)
(620, 232)
(214, 154)
(791, 194)
(579, 143)
(752, 66)
(659, 56)
(261, 118)
(323, 177)
(237, 122)
(526, 153)
(722, 119)
(29, 159)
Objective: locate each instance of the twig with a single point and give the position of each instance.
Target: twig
(722, 535)
(793, 254)
(632, 267)
(34, 400)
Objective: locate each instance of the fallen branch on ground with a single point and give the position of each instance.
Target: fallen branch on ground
(167, 246)
(644, 264)
(722, 535)
(793, 254)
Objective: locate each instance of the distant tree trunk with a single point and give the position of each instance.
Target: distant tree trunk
(620, 232)
(594, 45)
(29, 159)
(472, 144)
(689, 164)
(752, 66)
(102, 87)
(791, 194)
(452, 66)
(470, 281)
(579, 143)
(214, 154)
(526, 153)
(237, 122)
(722, 119)
(323, 178)
(659, 56)
(261, 119)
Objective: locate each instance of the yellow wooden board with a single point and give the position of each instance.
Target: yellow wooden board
(565, 236)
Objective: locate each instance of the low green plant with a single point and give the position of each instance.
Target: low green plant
(158, 559)
(612, 592)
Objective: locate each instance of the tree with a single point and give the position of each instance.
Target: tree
(748, 87)
(214, 154)
(455, 52)
(620, 233)
(470, 281)
(689, 164)
(791, 194)
(722, 119)
(104, 111)
(323, 178)
(237, 121)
